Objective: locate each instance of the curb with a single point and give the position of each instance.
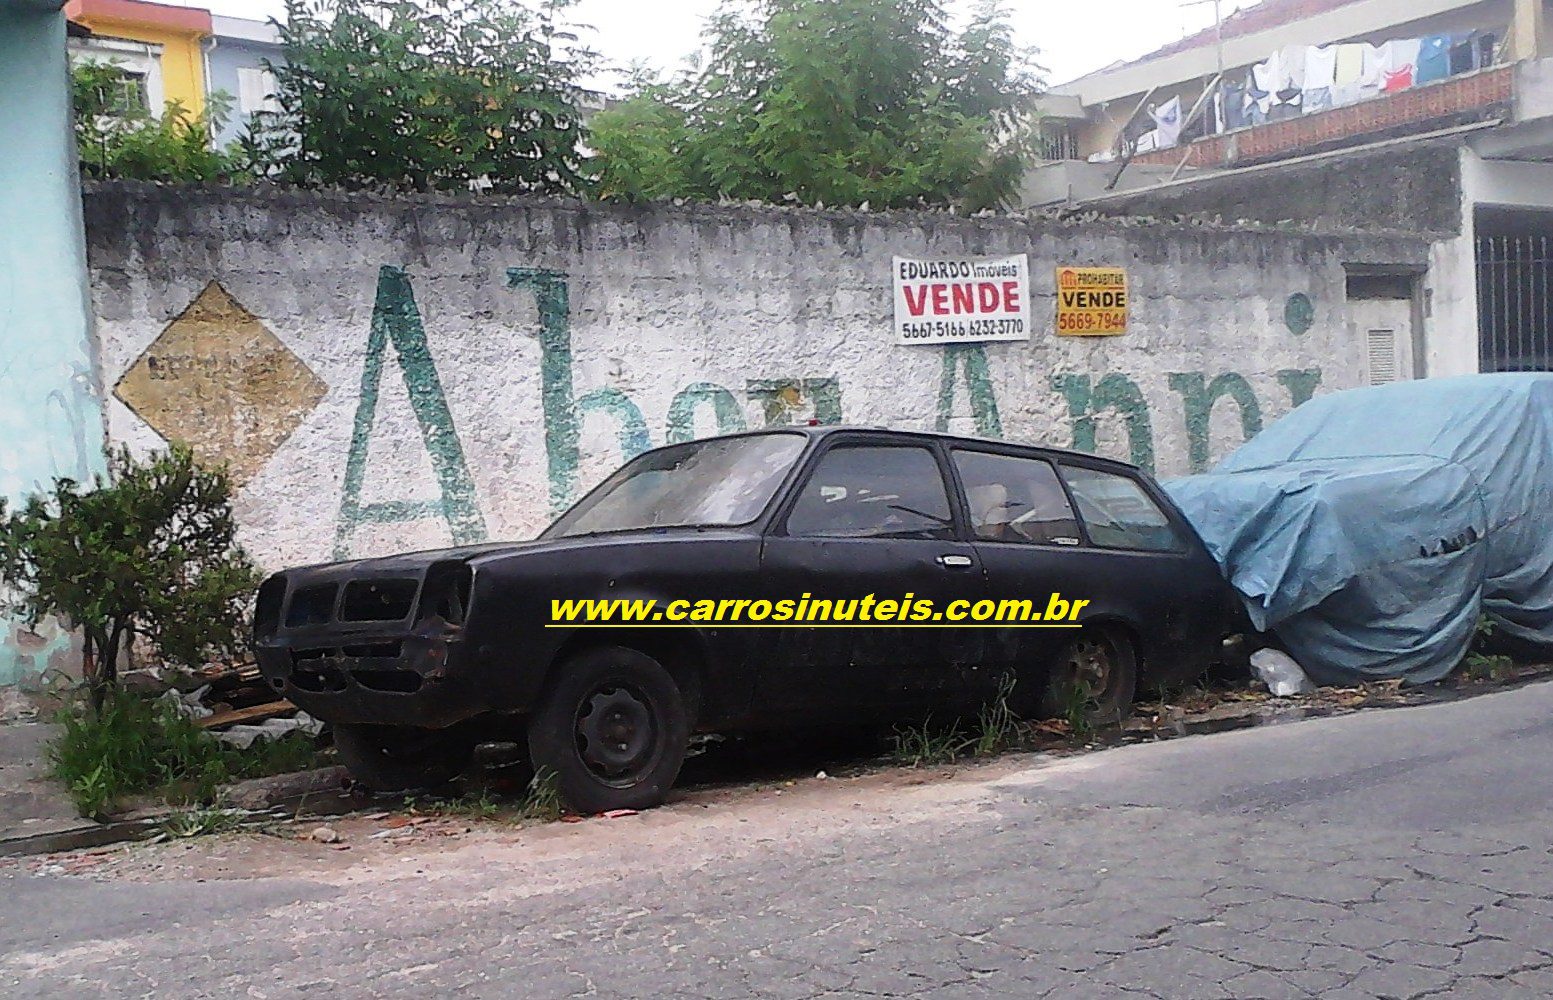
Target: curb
(80, 838)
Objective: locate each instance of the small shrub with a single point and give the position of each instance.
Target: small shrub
(118, 137)
(153, 553)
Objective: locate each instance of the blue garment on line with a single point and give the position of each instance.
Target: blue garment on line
(1434, 60)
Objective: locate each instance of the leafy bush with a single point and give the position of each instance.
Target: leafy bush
(118, 138)
(153, 554)
(128, 745)
(425, 95)
(840, 102)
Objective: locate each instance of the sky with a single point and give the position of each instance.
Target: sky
(1075, 36)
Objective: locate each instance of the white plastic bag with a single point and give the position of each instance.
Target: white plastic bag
(1280, 673)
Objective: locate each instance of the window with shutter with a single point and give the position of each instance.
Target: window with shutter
(1383, 356)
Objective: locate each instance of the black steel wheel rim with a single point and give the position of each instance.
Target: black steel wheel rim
(617, 733)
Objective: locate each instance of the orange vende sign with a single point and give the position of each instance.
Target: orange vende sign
(1091, 301)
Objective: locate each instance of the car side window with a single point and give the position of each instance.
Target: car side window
(1014, 499)
(873, 491)
(1119, 513)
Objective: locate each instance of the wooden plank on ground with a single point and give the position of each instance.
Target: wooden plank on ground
(253, 713)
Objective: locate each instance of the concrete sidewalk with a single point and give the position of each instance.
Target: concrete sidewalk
(36, 816)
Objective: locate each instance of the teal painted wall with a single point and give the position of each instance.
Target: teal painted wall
(51, 421)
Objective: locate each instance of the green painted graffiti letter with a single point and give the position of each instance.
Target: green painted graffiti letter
(1199, 395)
(396, 320)
(1114, 392)
(978, 382)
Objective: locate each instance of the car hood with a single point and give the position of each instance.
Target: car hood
(488, 551)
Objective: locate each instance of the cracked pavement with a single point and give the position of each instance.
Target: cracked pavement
(1400, 853)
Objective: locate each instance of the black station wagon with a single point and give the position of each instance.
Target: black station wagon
(416, 658)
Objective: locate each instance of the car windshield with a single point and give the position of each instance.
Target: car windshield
(724, 481)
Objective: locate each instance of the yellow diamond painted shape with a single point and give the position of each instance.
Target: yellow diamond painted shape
(220, 382)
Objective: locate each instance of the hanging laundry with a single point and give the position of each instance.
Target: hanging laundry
(1320, 67)
(1346, 88)
(1464, 53)
(1291, 67)
(1372, 73)
(1488, 47)
(1264, 84)
(1286, 104)
(1320, 73)
(1399, 64)
(1234, 98)
(1147, 142)
(1434, 60)
(1167, 122)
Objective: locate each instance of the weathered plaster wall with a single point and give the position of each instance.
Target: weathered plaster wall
(412, 372)
(1407, 186)
(50, 417)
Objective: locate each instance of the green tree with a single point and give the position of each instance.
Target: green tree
(425, 95)
(839, 102)
(151, 554)
(119, 138)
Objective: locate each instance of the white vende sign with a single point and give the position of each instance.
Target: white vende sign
(962, 301)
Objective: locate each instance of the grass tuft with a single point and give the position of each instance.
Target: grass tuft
(131, 746)
(543, 802)
(202, 821)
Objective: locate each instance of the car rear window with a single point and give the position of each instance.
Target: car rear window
(1015, 499)
(1119, 513)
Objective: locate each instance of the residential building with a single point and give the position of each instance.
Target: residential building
(237, 59)
(1462, 150)
(1374, 66)
(159, 48)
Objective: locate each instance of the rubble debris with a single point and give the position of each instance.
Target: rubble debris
(324, 835)
(253, 713)
(1280, 673)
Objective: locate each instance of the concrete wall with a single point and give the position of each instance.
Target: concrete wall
(51, 423)
(1411, 186)
(391, 373)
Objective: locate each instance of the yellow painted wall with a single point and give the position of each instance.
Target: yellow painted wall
(183, 58)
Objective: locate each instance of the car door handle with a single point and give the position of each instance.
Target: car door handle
(956, 562)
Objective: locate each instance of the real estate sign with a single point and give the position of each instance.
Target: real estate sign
(963, 300)
(1091, 301)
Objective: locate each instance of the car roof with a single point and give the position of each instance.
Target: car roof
(856, 430)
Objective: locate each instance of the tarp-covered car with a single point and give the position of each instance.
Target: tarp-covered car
(1369, 530)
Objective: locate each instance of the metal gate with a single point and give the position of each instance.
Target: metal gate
(1515, 304)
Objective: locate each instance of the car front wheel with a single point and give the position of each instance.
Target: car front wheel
(402, 758)
(1098, 669)
(612, 731)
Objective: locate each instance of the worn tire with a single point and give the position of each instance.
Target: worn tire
(402, 758)
(1102, 650)
(612, 729)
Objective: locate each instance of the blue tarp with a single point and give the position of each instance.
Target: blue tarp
(1370, 529)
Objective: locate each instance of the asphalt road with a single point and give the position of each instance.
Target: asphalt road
(1388, 854)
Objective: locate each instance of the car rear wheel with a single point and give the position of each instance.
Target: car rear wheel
(1099, 668)
(402, 758)
(612, 731)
